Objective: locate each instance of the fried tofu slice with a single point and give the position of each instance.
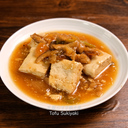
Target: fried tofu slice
(32, 44)
(97, 65)
(29, 65)
(65, 75)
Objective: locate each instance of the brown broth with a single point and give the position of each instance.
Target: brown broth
(37, 88)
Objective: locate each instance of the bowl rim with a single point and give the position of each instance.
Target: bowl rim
(60, 108)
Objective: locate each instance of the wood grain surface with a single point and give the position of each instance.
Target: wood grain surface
(111, 14)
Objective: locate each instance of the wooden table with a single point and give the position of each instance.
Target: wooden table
(111, 14)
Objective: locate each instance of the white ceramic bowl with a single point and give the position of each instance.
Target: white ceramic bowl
(101, 33)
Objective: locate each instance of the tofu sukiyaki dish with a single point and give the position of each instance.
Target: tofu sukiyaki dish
(63, 67)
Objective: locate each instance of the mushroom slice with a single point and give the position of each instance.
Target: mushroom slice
(42, 56)
(52, 55)
(37, 38)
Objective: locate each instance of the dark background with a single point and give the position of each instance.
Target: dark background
(111, 14)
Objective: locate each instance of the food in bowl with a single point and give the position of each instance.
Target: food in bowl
(63, 67)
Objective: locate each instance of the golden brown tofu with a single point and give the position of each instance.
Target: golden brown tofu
(65, 75)
(29, 65)
(97, 64)
(32, 44)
